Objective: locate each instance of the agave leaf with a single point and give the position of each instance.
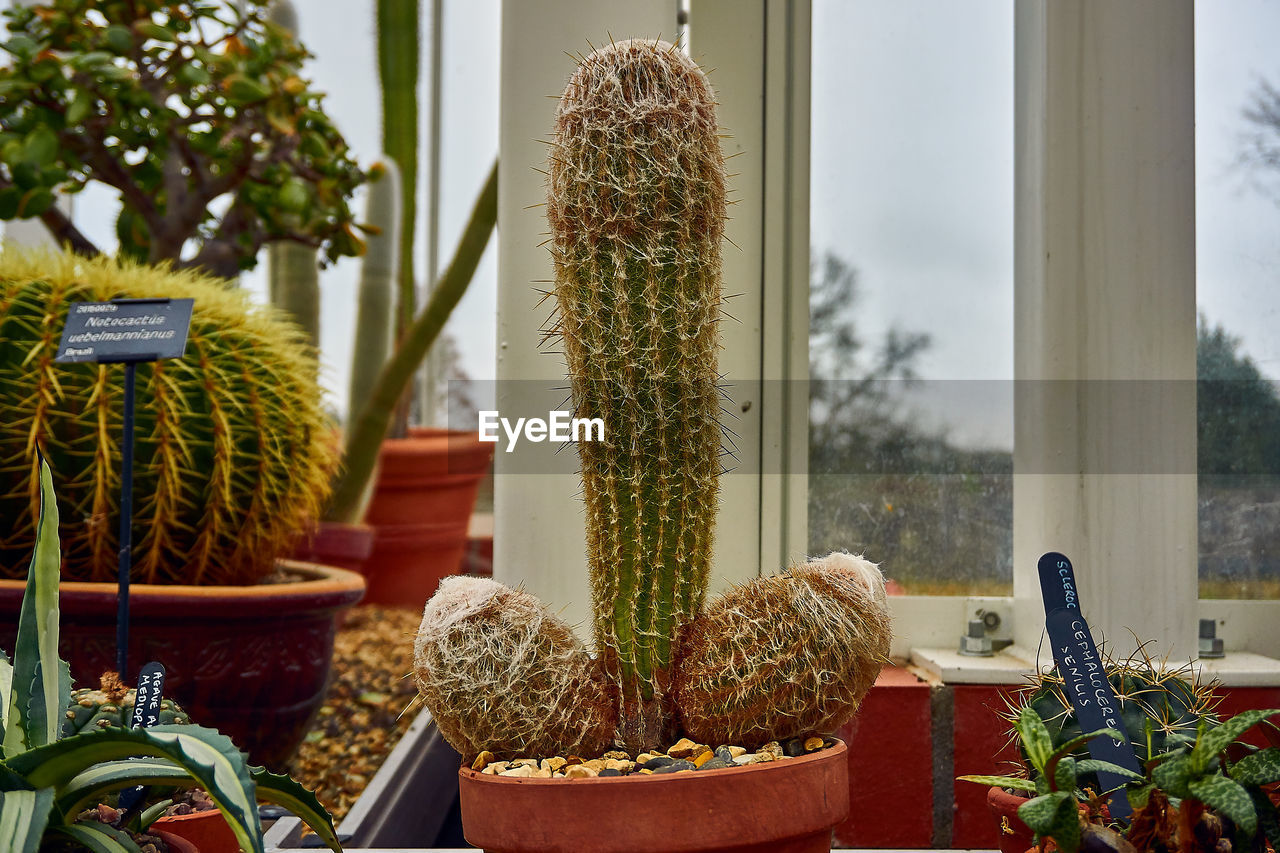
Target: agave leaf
(283, 791)
(23, 818)
(1093, 765)
(1228, 798)
(1035, 737)
(98, 837)
(88, 788)
(6, 689)
(152, 812)
(1212, 741)
(1260, 768)
(36, 700)
(1013, 782)
(210, 758)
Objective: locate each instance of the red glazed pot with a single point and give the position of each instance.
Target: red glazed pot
(207, 831)
(251, 661)
(335, 543)
(788, 806)
(1015, 836)
(422, 503)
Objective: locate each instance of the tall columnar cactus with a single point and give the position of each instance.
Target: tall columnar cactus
(636, 204)
(375, 299)
(233, 452)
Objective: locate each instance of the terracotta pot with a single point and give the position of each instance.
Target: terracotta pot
(425, 492)
(175, 843)
(205, 831)
(251, 661)
(335, 543)
(1015, 836)
(786, 806)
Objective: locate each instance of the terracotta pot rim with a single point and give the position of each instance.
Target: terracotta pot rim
(837, 752)
(325, 588)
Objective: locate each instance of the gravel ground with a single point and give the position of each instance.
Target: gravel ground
(370, 704)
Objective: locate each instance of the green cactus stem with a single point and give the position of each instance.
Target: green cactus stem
(500, 672)
(398, 58)
(375, 298)
(233, 455)
(365, 436)
(784, 655)
(636, 204)
(293, 285)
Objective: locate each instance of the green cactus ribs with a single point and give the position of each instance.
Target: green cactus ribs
(233, 455)
(636, 204)
(110, 705)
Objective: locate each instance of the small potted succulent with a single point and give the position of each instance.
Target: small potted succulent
(59, 787)
(719, 689)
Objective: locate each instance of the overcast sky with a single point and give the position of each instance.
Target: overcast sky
(913, 143)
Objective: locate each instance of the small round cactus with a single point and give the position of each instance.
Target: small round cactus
(233, 455)
(785, 655)
(499, 672)
(110, 705)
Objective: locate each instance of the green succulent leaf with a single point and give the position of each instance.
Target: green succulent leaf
(1064, 775)
(1054, 816)
(1228, 798)
(1139, 795)
(1268, 816)
(1094, 765)
(40, 147)
(1172, 777)
(153, 812)
(98, 837)
(1215, 740)
(37, 696)
(90, 786)
(1079, 741)
(1260, 768)
(1013, 782)
(1035, 738)
(210, 758)
(23, 818)
(283, 791)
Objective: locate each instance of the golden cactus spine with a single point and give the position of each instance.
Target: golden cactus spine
(636, 204)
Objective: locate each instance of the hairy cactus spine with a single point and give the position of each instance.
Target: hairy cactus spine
(375, 299)
(636, 204)
(233, 448)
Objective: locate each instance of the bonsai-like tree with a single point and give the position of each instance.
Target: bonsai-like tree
(195, 112)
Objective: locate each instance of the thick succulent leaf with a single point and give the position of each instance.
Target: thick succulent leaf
(1212, 741)
(36, 699)
(1013, 782)
(89, 788)
(1139, 795)
(23, 818)
(209, 757)
(1064, 775)
(1093, 765)
(283, 791)
(1260, 768)
(152, 812)
(98, 837)
(1172, 777)
(1035, 737)
(1077, 742)
(1227, 798)
(6, 689)
(1054, 816)
(1268, 816)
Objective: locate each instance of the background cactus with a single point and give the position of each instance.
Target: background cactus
(110, 705)
(233, 452)
(636, 203)
(375, 299)
(534, 689)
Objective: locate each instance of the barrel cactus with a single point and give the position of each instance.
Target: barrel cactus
(636, 204)
(233, 455)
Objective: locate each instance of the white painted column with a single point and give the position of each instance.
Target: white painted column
(538, 533)
(1105, 301)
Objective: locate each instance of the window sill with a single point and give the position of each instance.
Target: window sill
(1014, 664)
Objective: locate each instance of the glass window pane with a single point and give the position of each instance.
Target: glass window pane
(911, 303)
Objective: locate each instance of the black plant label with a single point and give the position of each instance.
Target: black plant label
(125, 330)
(146, 709)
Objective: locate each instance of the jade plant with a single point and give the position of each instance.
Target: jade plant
(636, 204)
(197, 114)
(234, 454)
(48, 779)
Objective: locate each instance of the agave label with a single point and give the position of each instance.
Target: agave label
(146, 708)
